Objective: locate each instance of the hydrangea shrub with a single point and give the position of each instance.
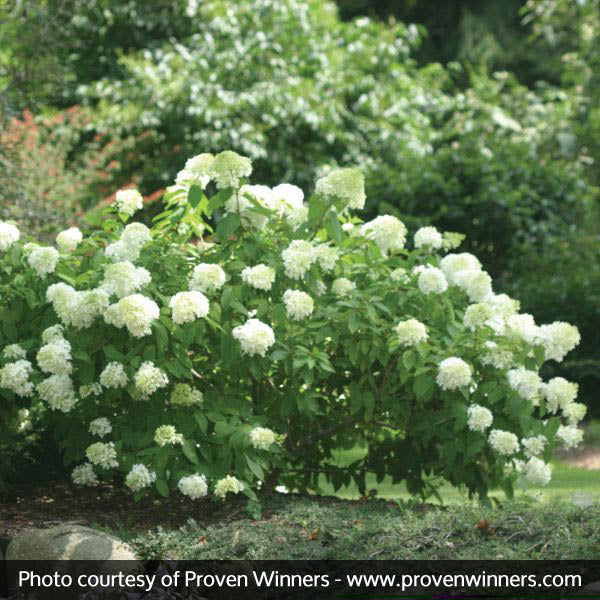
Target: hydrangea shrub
(202, 361)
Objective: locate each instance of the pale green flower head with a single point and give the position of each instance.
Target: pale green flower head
(229, 167)
(347, 185)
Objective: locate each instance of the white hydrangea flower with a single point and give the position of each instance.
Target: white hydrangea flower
(254, 336)
(198, 170)
(193, 486)
(43, 259)
(55, 357)
(78, 309)
(114, 376)
(102, 454)
(534, 445)
(342, 287)
(503, 442)
(135, 312)
(129, 202)
(453, 264)
(388, 232)
(428, 237)
(84, 475)
(149, 378)
(52, 333)
(503, 305)
(559, 393)
(479, 417)
(119, 251)
(136, 234)
(522, 326)
(9, 234)
(432, 281)
(476, 283)
(128, 248)
(298, 258)
(399, 275)
(241, 203)
(287, 198)
(100, 427)
(227, 485)
(298, 305)
(526, 383)
(262, 438)
(13, 351)
(14, 376)
(296, 216)
(570, 435)
(139, 477)
(453, 374)
(124, 278)
(185, 395)
(558, 339)
(186, 307)
(260, 277)
(347, 185)
(537, 472)
(228, 168)
(327, 256)
(477, 315)
(69, 239)
(574, 412)
(58, 392)
(496, 356)
(410, 332)
(167, 434)
(207, 278)
(90, 389)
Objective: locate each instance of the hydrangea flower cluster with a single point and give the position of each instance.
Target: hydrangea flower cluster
(298, 304)
(228, 485)
(69, 239)
(184, 394)
(260, 277)
(186, 307)
(262, 438)
(135, 312)
(9, 234)
(193, 486)
(149, 378)
(207, 278)
(255, 337)
(129, 202)
(411, 332)
(139, 477)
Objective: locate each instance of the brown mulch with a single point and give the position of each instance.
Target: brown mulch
(104, 506)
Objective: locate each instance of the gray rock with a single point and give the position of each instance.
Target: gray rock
(67, 542)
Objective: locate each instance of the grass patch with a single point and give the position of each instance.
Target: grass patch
(296, 527)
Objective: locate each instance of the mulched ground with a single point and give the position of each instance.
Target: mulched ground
(104, 505)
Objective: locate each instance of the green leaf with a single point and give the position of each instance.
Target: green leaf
(255, 468)
(409, 358)
(227, 226)
(189, 451)
(195, 195)
(162, 488)
(316, 208)
(333, 228)
(160, 336)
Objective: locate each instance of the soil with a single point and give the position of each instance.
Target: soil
(104, 506)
